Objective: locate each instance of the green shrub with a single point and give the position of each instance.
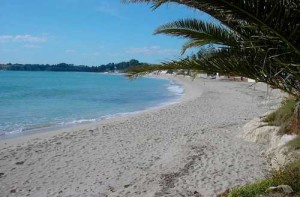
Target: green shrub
(282, 116)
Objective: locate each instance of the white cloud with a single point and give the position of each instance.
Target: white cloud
(108, 9)
(113, 54)
(152, 50)
(97, 53)
(32, 46)
(22, 38)
(5, 38)
(70, 51)
(100, 46)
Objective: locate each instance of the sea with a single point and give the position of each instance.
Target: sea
(39, 101)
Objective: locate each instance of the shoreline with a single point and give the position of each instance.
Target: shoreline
(51, 132)
(65, 127)
(179, 149)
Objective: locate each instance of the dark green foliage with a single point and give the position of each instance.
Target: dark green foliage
(63, 67)
(199, 33)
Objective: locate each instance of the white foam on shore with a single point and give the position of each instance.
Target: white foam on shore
(78, 121)
(176, 89)
(173, 87)
(13, 132)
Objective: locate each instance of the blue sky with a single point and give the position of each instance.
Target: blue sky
(89, 32)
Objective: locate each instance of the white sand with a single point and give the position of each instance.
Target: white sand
(172, 151)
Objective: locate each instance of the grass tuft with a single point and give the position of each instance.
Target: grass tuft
(294, 144)
(287, 175)
(282, 116)
(251, 189)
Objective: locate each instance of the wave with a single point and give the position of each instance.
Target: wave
(80, 121)
(176, 89)
(14, 132)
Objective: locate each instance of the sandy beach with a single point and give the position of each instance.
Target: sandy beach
(191, 148)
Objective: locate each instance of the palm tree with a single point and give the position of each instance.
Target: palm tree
(254, 42)
(258, 39)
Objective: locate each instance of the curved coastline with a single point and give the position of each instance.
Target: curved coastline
(176, 149)
(75, 123)
(46, 132)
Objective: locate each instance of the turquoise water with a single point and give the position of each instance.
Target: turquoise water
(35, 100)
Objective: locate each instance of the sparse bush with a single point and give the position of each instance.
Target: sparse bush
(252, 189)
(287, 175)
(283, 115)
(294, 144)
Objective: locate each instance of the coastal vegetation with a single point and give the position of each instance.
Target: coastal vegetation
(63, 67)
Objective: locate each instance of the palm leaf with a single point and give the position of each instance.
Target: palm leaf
(230, 62)
(200, 33)
(195, 43)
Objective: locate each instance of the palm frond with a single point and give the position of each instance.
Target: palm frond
(194, 43)
(231, 62)
(199, 32)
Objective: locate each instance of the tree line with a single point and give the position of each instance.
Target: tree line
(63, 67)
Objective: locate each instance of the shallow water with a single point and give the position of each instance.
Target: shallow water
(36, 100)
